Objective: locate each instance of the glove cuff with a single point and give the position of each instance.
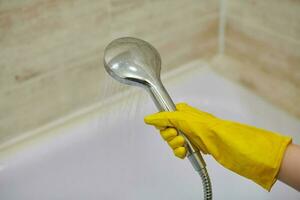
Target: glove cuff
(268, 183)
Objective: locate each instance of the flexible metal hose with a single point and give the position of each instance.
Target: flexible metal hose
(200, 166)
(207, 191)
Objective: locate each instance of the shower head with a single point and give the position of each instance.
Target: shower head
(136, 62)
(133, 61)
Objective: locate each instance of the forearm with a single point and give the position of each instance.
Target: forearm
(290, 167)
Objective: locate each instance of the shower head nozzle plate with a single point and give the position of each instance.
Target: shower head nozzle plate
(132, 61)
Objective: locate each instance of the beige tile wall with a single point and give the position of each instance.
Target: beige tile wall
(262, 49)
(51, 51)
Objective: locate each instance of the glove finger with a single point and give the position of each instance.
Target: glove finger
(168, 134)
(182, 106)
(160, 119)
(186, 108)
(176, 142)
(180, 152)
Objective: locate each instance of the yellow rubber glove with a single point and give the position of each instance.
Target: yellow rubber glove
(251, 152)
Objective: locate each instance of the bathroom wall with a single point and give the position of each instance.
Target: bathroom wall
(262, 49)
(51, 51)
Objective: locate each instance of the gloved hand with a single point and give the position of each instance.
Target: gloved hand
(251, 152)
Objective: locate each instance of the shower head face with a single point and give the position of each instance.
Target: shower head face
(133, 62)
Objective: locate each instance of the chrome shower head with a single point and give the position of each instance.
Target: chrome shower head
(133, 61)
(136, 62)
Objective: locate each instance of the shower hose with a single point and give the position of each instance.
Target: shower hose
(207, 191)
(199, 165)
